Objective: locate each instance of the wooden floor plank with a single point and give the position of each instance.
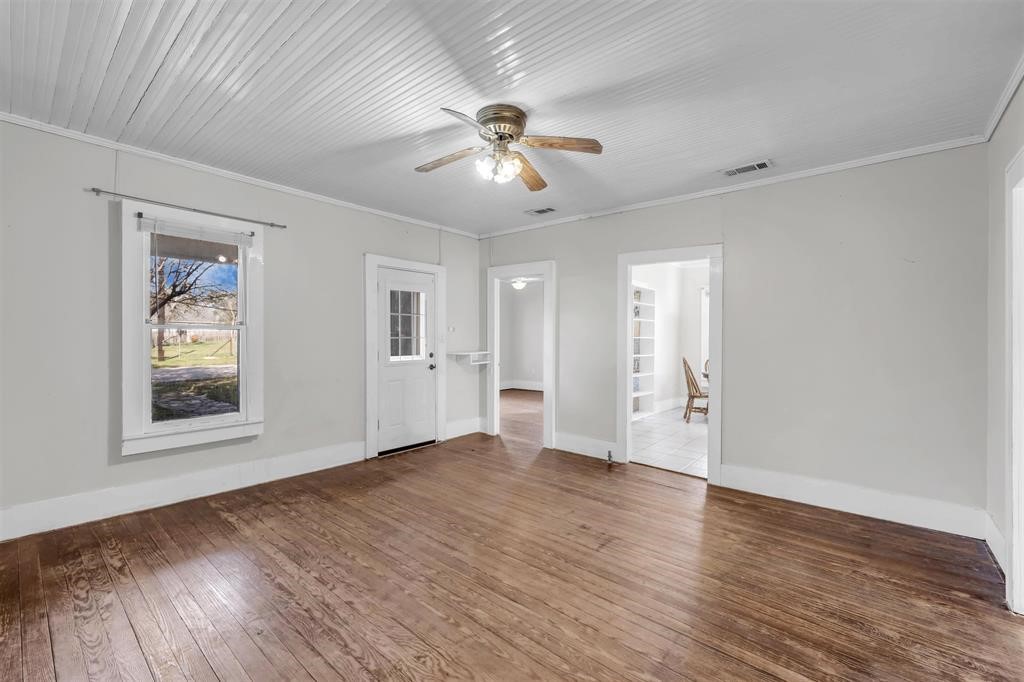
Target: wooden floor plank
(37, 651)
(68, 657)
(125, 646)
(495, 559)
(335, 626)
(122, 550)
(10, 613)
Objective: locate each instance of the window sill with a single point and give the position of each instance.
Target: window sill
(151, 442)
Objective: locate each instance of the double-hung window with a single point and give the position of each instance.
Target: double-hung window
(192, 329)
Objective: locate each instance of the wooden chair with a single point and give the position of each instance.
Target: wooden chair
(694, 392)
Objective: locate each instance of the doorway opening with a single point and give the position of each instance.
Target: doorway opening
(521, 339)
(520, 371)
(405, 354)
(670, 360)
(670, 365)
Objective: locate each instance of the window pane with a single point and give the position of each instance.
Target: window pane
(406, 347)
(406, 327)
(395, 351)
(406, 302)
(194, 373)
(417, 302)
(394, 325)
(394, 302)
(192, 281)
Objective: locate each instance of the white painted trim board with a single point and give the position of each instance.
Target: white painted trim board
(1016, 76)
(464, 427)
(997, 543)
(889, 506)
(522, 385)
(14, 119)
(70, 510)
(583, 445)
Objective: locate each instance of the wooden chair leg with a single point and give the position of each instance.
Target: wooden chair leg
(689, 409)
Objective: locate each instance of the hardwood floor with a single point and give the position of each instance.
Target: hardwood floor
(493, 559)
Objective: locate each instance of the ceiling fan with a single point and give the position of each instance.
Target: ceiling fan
(501, 125)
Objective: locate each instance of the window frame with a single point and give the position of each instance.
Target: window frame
(420, 318)
(139, 432)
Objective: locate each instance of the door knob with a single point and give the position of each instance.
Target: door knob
(431, 366)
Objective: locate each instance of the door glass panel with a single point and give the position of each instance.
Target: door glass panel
(407, 326)
(194, 372)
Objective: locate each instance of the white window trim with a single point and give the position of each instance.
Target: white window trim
(138, 435)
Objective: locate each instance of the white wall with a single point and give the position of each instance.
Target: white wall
(60, 418)
(1006, 142)
(522, 337)
(862, 292)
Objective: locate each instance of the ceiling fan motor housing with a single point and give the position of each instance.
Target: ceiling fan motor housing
(504, 120)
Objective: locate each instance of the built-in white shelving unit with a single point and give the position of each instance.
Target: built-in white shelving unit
(473, 357)
(643, 350)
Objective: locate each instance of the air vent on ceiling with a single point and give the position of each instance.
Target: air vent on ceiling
(540, 211)
(749, 168)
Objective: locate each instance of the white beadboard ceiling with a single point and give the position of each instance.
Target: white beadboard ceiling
(341, 98)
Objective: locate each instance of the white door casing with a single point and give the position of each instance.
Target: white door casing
(713, 254)
(546, 272)
(1014, 378)
(406, 359)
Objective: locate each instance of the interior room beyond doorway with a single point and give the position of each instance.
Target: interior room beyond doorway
(521, 369)
(670, 365)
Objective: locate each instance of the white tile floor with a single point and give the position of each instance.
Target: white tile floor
(665, 441)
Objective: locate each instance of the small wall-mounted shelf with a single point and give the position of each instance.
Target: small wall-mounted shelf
(473, 357)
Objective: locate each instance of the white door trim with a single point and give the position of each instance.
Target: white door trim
(623, 430)
(1014, 339)
(546, 271)
(370, 325)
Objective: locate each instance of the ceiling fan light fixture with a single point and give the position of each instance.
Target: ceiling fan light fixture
(500, 125)
(499, 167)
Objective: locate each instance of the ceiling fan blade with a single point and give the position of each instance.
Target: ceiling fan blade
(569, 144)
(529, 175)
(470, 121)
(445, 160)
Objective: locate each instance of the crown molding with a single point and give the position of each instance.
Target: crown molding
(797, 175)
(231, 175)
(1004, 99)
(1016, 77)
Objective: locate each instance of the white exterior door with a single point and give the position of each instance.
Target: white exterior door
(407, 368)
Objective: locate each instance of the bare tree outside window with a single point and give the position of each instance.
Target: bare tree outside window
(193, 303)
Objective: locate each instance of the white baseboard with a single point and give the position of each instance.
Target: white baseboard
(996, 543)
(669, 404)
(584, 445)
(59, 512)
(521, 384)
(463, 427)
(879, 504)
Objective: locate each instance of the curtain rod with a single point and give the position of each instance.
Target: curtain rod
(97, 191)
